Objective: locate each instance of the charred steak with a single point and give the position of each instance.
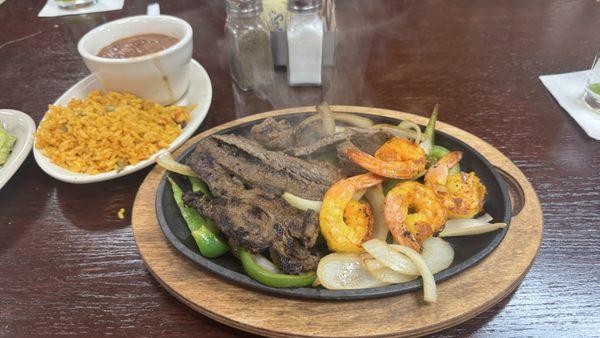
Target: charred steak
(281, 135)
(245, 180)
(274, 135)
(258, 222)
(369, 140)
(271, 171)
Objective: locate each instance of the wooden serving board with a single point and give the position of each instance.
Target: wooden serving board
(459, 298)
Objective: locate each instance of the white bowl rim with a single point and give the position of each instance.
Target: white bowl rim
(87, 55)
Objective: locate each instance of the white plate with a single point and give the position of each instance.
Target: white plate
(199, 93)
(22, 127)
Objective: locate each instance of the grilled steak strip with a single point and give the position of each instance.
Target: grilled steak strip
(270, 170)
(254, 218)
(258, 224)
(280, 135)
(368, 139)
(279, 161)
(322, 145)
(274, 135)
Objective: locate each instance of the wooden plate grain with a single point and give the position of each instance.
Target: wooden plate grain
(459, 298)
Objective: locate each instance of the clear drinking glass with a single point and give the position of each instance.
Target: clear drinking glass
(72, 4)
(592, 88)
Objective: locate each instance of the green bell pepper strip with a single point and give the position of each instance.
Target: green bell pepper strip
(199, 186)
(429, 134)
(276, 280)
(212, 227)
(430, 128)
(209, 243)
(435, 152)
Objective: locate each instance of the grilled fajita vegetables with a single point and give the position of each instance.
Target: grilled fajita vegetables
(209, 242)
(269, 278)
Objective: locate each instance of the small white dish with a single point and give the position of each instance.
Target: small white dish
(22, 127)
(199, 93)
(161, 77)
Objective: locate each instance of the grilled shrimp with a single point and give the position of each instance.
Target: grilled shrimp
(462, 194)
(413, 212)
(397, 158)
(346, 223)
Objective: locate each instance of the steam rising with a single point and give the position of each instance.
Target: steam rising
(342, 83)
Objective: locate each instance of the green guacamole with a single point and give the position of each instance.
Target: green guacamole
(7, 142)
(595, 87)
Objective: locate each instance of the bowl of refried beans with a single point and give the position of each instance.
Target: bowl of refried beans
(148, 56)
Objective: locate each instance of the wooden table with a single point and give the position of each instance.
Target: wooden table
(68, 265)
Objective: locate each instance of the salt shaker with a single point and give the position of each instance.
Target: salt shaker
(305, 42)
(248, 44)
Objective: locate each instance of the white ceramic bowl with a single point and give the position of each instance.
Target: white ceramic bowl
(161, 77)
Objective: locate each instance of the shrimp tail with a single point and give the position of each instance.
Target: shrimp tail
(373, 164)
(363, 159)
(365, 181)
(438, 173)
(451, 159)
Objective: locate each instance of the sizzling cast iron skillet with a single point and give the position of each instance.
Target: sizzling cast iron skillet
(469, 250)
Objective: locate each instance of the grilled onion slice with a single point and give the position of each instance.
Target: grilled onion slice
(345, 271)
(167, 161)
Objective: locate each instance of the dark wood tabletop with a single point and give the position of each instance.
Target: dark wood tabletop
(68, 265)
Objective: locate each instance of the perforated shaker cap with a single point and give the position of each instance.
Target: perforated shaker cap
(243, 6)
(304, 6)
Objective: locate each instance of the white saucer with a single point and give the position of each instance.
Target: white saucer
(199, 93)
(22, 127)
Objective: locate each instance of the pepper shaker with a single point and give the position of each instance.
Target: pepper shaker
(248, 44)
(305, 42)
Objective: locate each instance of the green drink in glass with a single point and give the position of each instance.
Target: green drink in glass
(592, 89)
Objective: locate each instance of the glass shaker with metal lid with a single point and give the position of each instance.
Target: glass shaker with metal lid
(305, 42)
(248, 44)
